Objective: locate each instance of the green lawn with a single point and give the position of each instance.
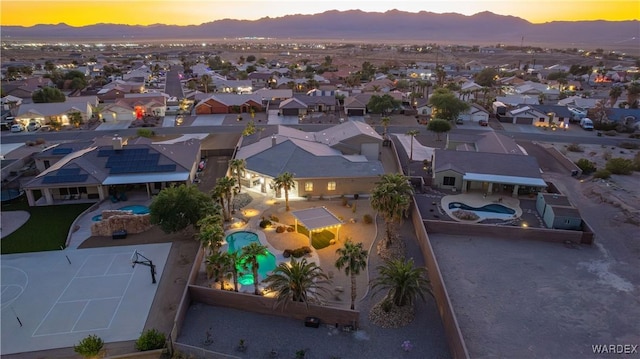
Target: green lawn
(320, 239)
(46, 229)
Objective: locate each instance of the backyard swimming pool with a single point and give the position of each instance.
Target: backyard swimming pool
(266, 263)
(491, 208)
(136, 209)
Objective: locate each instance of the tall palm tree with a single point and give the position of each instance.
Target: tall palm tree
(285, 182)
(211, 232)
(250, 254)
(353, 258)
(238, 167)
(232, 268)
(413, 134)
(385, 125)
(205, 80)
(391, 197)
(294, 281)
(223, 191)
(403, 281)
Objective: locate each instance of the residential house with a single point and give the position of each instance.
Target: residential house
(220, 103)
(24, 89)
(102, 171)
(55, 112)
(341, 160)
(466, 171)
(474, 114)
(488, 142)
(538, 90)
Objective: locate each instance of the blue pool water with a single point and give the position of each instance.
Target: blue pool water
(136, 209)
(266, 263)
(491, 208)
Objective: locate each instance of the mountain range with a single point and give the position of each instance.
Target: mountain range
(356, 25)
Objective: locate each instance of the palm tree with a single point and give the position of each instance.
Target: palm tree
(285, 181)
(205, 80)
(294, 281)
(413, 134)
(232, 268)
(238, 166)
(353, 258)
(211, 232)
(391, 198)
(215, 264)
(385, 124)
(403, 281)
(223, 191)
(250, 254)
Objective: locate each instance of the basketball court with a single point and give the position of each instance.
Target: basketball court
(55, 299)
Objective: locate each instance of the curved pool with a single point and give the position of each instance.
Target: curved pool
(491, 208)
(266, 263)
(136, 209)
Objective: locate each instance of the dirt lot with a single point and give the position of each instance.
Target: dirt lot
(620, 191)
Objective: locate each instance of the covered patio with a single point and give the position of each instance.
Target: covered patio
(317, 219)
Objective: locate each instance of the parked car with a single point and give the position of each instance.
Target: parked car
(33, 126)
(483, 123)
(586, 124)
(17, 127)
(459, 121)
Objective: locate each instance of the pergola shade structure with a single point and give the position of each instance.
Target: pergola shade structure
(317, 219)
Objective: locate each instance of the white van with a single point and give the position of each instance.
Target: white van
(586, 124)
(33, 125)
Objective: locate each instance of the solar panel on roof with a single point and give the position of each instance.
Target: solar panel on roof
(65, 178)
(68, 171)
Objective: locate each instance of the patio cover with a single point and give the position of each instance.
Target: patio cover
(317, 218)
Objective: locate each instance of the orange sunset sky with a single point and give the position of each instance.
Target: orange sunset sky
(194, 12)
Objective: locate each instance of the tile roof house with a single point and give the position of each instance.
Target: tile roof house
(228, 103)
(340, 160)
(72, 173)
(486, 172)
(24, 89)
(54, 112)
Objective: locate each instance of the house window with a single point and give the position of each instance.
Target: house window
(567, 221)
(541, 119)
(82, 189)
(47, 164)
(308, 186)
(448, 181)
(64, 191)
(331, 186)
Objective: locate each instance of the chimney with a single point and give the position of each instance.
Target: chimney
(273, 140)
(117, 142)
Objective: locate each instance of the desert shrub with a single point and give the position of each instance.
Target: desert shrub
(620, 166)
(274, 218)
(145, 132)
(298, 252)
(30, 143)
(367, 218)
(574, 147)
(40, 141)
(586, 166)
(89, 346)
(150, 340)
(604, 174)
(602, 126)
(265, 223)
(353, 208)
(280, 229)
(465, 215)
(606, 155)
(629, 145)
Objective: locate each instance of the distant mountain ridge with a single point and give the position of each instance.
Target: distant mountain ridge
(356, 25)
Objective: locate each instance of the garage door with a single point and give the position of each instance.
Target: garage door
(290, 112)
(355, 112)
(524, 121)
